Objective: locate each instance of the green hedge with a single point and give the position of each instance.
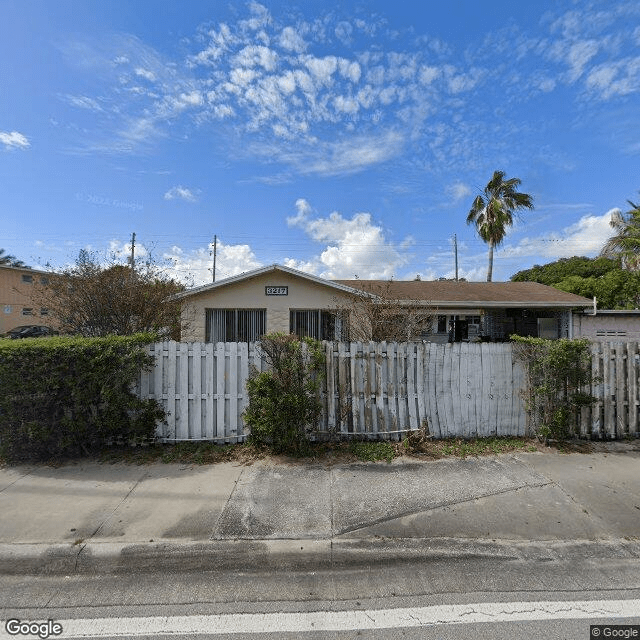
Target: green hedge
(62, 397)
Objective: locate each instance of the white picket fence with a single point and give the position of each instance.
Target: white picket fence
(382, 390)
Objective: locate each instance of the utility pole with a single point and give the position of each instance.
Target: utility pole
(455, 245)
(133, 253)
(215, 249)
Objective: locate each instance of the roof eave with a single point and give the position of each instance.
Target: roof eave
(496, 304)
(261, 271)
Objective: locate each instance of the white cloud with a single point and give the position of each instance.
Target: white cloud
(220, 42)
(343, 32)
(584, 238)
(82, 102)
(195, 266)
(14, 140)
(579, 55)
(122, 250)
(304, 209)
(181, 193)
(355, 246)
(428, 74)
(146, 74)
(291, 40)
(321, 69)
(353, 155)
(458, 191)
(350, 70)
(619, 78)
(458, 82)
(256, 55)
(260, 18)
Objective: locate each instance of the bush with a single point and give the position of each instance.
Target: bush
(558, 371)
(284, 402)
(63, 397)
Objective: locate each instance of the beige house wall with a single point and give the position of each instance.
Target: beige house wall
(605, 327)
(250, 294)
(18, 296)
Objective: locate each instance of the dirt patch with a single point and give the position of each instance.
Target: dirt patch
(416, 446)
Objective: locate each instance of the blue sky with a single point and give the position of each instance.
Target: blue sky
(344, 141)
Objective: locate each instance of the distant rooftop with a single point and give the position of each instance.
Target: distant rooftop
(448, 292)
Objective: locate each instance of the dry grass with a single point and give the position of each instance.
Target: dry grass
(417, 445)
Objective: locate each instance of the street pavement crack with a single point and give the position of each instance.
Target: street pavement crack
(135, 486)
(222, 511)
(564, 491)
(80, 550)
(17, 480)
(439, 505)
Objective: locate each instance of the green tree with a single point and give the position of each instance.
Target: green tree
(614, 288)
(11, 261)
(492, 212)
(554, 272)
(626, 242)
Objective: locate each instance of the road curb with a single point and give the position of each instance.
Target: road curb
(295, 555)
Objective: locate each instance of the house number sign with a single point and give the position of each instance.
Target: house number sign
(276, 291)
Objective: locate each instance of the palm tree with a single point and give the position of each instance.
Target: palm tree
(493, 212)
(626, 243)
(10, 261)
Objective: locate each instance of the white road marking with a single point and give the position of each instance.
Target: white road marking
(301, 622)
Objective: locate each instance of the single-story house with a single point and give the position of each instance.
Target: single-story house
(608, 325)
(277, 298)
(486, 310)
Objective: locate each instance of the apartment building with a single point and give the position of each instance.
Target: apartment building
(21, 298)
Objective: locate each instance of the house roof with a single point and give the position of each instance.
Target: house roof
(440, 293)
(334, 284)
(449, 293)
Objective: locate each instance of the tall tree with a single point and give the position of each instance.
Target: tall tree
(94, 299)
(492, 212)
(11, 261)
(626, 242)
(615, 288)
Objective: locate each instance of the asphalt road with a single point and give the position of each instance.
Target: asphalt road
(516, 546)
(504, 592)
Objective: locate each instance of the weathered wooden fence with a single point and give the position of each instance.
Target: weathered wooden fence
(381, 390)
(616, 373)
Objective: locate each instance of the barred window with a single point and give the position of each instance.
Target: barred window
(317, 324)
(235, 325)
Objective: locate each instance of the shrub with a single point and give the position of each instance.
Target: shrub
(284, 402)
(63, 397)
(558, 371)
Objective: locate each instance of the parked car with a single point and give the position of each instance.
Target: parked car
(31, 331)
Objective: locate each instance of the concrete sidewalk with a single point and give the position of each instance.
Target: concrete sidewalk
(116, 517)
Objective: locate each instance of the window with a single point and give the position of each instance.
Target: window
(44, 311)
(442, 324)
(235, 325)
(316, 323)
(26, 311)
(44, 280)
(27, 278)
